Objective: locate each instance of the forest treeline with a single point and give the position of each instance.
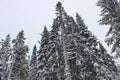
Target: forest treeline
(69, 51)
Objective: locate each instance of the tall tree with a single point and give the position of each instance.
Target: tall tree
(54, 53)
(42, 58)
(62, 17)
(34, 56)
(5, 55)
(33, 65)
(86, 47)
(111, 16)
(71, 52)
(19, 65)
(79, 47)
(92, 55)
(105, 66)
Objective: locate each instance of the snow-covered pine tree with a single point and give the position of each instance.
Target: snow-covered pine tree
(5, 53)
(71, 32)
(111, 16)
(89, 55)
(104, 64)
(72, 36)
(72, 52)
(79, 46)
(34, 56)
(62, 22)
(56, 54)
(33, 65)
(19, 66)
(83, 41)
(42, 58)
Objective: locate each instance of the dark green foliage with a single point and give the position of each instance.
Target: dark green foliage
(5, 53)
(34, 57)
(72, 49)
(69, 51)
(73, 52)
(42, 57)
(20, 50)
(111, 16)
(33, 65)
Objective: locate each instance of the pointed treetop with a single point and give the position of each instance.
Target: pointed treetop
(21, 32)
(45, 28)
(19, 38)
(59, 4)
(101, 48)
(34, 48)
(45, 36)
(77, 15)
(59, 9)
(21, 35)
(33, 57)
(79, 20)
(54, 25)
(7, 40)
(19, 43)
(45, 31)
(8, 36)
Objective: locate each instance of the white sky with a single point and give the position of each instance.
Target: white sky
(33, 15)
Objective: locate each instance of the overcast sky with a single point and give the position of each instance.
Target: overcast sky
(33, 15)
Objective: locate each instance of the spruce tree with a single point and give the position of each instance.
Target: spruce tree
(72, 52)
(42, 59)
(85, 42)
(34, 56)
(93, 56)
(56, 52)
(33, 65)
(19, 65)
(104, 64)
(5, 55)
(111, 16)
(79, 47)
(62, 21)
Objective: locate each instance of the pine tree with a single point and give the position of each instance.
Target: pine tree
(93, 56)
(33, 65)
(79, 46)
(42, 58)
(52, 54)
(71, 32)
(104, 64)
(33, 57)
(5, 55)
(85, 43)
(55, 52)
(62, 18)
(71, 52)
(111, 16)
(19, 65)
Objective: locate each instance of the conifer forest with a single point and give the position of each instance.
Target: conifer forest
(69, 51)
